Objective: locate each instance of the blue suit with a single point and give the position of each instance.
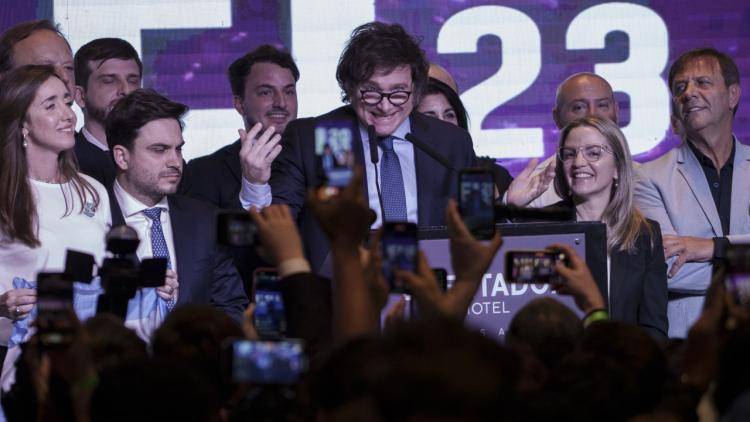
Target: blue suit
(294, 171)
(673, 190)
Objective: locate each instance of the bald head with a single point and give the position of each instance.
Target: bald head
(581, 95)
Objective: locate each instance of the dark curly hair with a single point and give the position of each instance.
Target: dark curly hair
(380, 46)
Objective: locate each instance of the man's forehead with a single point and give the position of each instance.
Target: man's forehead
(399, 75)
(114, 65)
(586, 87)
(160, 131)
(701, 65)
(43, 42)
(265, 72)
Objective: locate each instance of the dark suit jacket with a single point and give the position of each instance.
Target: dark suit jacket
(93, 161)
(294, 171)
(217, 179)
(204, 269)
(638, 282)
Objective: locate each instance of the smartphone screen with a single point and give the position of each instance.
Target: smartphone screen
(334, 155)
(267, 362)
(55, 309)
(476, 194)
(269, 316)
(399, 252)
(235, 228)
(532, 266)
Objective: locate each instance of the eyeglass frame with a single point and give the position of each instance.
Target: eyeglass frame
(384, 95)
(582, 149)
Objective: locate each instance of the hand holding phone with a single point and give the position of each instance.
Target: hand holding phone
(269, 316)
(399, 245)
(476, 202)
(266, 362)
(55, 317)
(235, 228)
(536, 266)
(334, 155)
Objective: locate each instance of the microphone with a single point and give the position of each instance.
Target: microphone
(429, 150)
(511, 212)
(372, 139)
(373, 144)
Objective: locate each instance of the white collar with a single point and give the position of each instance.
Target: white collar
(92, 139)
(131, 206)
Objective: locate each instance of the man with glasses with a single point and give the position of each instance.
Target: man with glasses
(382, 73)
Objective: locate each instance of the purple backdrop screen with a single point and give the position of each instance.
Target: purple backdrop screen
(507, 56)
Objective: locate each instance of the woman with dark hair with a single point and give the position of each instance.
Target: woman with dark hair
(442, 102)
(47, 206)
(594, 175)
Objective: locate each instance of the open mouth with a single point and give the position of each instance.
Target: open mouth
(278, 117)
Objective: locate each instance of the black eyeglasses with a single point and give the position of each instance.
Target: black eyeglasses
(396, 98)
(591, 153)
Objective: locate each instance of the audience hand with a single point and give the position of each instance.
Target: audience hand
(687, 249)
(16, 304)
(169, 290)
(372, 262)
(395, 315)
(470, 259)
(278, 233)
(345, 217)
(248, 323)
(258, 152)
(526, 188)
(579, 282)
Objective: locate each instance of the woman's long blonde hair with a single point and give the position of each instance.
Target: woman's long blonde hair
(622, 217)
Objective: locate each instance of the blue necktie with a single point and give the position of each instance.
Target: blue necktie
(158, 242)
(392, 181)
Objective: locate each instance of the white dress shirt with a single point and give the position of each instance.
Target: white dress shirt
(132, 211)
(259, 196)
(92, 139)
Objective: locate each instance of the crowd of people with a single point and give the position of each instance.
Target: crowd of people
(661, 338)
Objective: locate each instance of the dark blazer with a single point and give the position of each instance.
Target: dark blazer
(294, 171)
(93, 161)
(204, 269)
(215, 178)
(638, 282)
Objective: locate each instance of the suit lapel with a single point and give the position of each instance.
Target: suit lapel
(117, 218)
(617, 278)
(424, 167)
(690, 169)
(360, 158)
(232, 160)
(180, 220)
(740, 214)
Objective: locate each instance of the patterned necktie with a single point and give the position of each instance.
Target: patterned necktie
(394, 197)
(158, 242)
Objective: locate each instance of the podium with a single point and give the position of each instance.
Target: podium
(497, 301)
